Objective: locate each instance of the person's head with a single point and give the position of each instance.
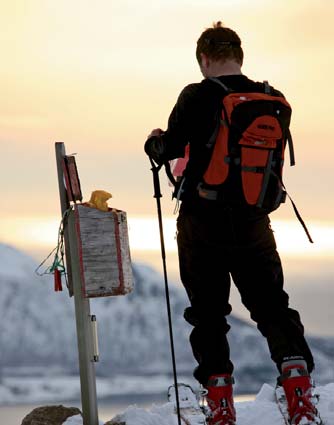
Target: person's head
(219, 44)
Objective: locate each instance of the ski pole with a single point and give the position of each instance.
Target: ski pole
(157, 194)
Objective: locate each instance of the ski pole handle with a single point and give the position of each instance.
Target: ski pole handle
(156, 182)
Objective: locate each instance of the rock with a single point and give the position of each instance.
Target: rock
(50, 415)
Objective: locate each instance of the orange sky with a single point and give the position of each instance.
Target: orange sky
(99, 75)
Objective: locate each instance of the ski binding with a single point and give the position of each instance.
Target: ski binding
(190, 410)
(283, 407)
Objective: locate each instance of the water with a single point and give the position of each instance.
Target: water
(13, 415)
(108, 408)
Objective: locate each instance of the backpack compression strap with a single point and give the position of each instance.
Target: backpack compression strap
(291, 149)
(299, 217)
(269, 90)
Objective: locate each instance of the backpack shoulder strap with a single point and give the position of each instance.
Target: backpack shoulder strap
(213, 137)
(217, 81)
(267, 87)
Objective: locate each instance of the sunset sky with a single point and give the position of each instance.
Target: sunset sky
(100, 75)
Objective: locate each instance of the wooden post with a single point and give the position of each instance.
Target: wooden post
(64, 205)
(82, 307)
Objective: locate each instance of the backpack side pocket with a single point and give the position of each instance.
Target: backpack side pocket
(218, 167)
(257, 146)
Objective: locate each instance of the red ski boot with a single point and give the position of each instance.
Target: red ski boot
(220, 400)
(297, 385)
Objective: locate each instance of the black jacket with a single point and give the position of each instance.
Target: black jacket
(193, 120)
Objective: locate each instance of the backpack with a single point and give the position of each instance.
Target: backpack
(248, 148)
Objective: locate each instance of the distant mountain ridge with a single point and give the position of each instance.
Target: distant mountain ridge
(38, 329)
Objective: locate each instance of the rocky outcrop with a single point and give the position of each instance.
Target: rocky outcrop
(50, 415)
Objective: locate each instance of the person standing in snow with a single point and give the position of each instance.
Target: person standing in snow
(219, 239)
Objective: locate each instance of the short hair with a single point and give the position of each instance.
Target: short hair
(220, 43)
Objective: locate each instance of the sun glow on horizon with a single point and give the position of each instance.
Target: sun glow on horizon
(41, 232)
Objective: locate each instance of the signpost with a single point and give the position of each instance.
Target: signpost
(98, 264)
(82, 306)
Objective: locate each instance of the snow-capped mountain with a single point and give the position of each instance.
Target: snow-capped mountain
(37, 329)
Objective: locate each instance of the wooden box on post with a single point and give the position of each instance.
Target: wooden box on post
(103, 250)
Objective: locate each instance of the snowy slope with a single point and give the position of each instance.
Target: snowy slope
(37, 329)
(262, 411)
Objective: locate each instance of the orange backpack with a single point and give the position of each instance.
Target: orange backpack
(248, 147)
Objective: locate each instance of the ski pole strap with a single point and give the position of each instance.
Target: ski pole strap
(169, 173)
(155, 170)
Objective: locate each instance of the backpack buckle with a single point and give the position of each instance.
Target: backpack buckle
(210, 195)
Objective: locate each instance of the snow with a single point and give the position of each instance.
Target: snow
(127, 333)
(262, 411)
(76, 420)
(38, 368)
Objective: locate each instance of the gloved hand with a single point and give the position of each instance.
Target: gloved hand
(155, 146)
(155, 132)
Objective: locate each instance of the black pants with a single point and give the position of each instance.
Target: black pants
(215, 244)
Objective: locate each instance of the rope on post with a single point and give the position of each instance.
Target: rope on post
(57, 268)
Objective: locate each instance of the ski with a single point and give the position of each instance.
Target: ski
(283, 408)
(190, 410)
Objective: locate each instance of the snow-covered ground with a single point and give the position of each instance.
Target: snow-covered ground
(262, 411)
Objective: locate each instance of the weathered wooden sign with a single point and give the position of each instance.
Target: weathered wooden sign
(104, 253)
